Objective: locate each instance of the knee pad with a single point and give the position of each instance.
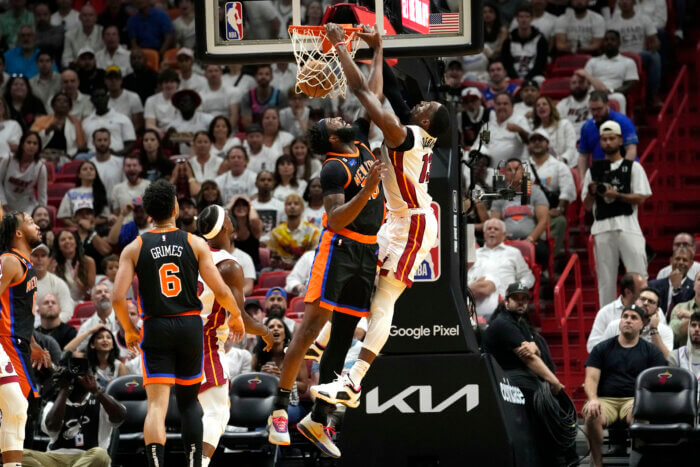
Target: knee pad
(382, 313)
(14, 417)
(216, 410)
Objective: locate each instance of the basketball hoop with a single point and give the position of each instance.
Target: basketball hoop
(310, 44)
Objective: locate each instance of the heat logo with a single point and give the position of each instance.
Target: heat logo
(253, 383)
(131, 386)
(664, 377)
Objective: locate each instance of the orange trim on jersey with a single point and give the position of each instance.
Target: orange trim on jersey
(344, 310)
(177, 315)
(368, 150)
(25, 267)
(157, 231)
(21, 280)
(344, 166)
(348, 154)
(189, 382)
(15, 358)
(20, 253)
(140, 241)
(358, 237)
(169, 380)
(318, 270)
(5, 318)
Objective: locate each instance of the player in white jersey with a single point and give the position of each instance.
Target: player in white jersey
(217, 228)
(411, 227)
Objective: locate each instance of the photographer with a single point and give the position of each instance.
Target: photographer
(613, 188)
(79, 421)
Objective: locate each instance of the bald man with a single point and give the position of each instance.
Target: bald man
(70, 83)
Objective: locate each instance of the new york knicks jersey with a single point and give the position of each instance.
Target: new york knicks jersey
(18, 300)
(167, 269)
(406, 186)
(214, 316)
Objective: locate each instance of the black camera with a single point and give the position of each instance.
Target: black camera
(69, 368)
(600, 174)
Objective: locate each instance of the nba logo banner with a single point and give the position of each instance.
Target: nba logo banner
(415, 14)
(429, 269)
(234, 21)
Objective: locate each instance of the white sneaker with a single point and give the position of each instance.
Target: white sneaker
(314, 353)
(278, 428)
(340, 391)
(320, 435)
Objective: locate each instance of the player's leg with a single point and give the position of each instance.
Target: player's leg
(319, 345)
(158, 395)
(216, 411)
(191, 418)
(14, 407)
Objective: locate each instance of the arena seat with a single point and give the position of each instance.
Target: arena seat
(261, 291)
(53, 214)
(129, 391)
(264, 255)
(152, 59)
(566, 65)
(50, 171)
(296, 306)
(84, 310)
(170, 58)
(76, 322)
(271, 279)
(527, 249)
(58, 189)
(555, 88)
(639, 92)
(68, 171)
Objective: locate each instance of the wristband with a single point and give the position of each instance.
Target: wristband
(339, 43)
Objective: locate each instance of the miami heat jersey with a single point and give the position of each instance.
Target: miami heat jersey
(167, 269)
(17, 302)
(214, 316)
(406, 186)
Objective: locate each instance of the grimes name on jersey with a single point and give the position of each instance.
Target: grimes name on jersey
(166, 250)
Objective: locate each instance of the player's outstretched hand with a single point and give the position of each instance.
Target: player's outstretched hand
(376, 173)
(269, 341)
(335, 33)
(236, 329)
(371, 36)
(132, 338)
(40, 357)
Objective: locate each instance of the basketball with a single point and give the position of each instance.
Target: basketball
(316, 78)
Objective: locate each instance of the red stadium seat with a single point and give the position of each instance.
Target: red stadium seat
(56, 191)
(272, 279)
(527, 249)
(53, 212)
(84, 310)
(639, 92)
(50, 171)
(566, 65)
(68, 171)
(613, 104)
(296, 306)
(262, 291)
(264, 254)
(76, 322)
(555, 88)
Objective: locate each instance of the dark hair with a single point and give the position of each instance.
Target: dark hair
(159, 200)
(492, 35)
(108, 259)
(112, 26)
(20, 147)
(240, 148)
(202, 204)
(627, 282)
(318, 139)
(30, 102)
(207, 219)
(307, 159)
(695, 316)
(264, 65)
(8, 228)
(61, 93)
(200, 133)
(615, 32)
(600, 96)
(307, 190)
(101, 130)
(41, 206)
(554, 113)
(93, 361)
(524, 8)
(495, 60)
(278, 178)
(213, 124)
(43, 51)
(99, 193)
(510, 98)
(168, 75)
(439, 122)
(162, 164)
(264, 357)
(652, 290)
(78, 260)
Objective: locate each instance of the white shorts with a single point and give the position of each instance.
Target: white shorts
(405, 241)
(214, 371)
(8, 374)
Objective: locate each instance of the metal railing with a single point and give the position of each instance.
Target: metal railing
(563, 309)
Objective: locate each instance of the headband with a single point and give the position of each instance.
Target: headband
(219, 223)
(324, 129)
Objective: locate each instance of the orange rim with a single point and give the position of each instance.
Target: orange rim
(318, 30)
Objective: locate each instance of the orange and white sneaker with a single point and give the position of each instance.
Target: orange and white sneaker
(278, 428)
(320, 435)
(339, 391)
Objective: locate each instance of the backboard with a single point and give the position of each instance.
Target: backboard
(255, 31)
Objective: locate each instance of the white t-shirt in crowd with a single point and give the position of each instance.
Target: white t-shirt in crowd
(231, 142)
(271, 213)
(231, 185)
(121, 58)
(246, 263)
(195, 83)
(314, 216)
(208, 171)
(562, 142)
(283, 139)
(128, 103)
(281, 192)
(111, 172)
(73, 197)
(259, 15)
(504, 144)
(556, 176)
(580, 31)
(218, 102)
(577, 112)
(545, 24)
(245, 84)
(639, 184)
(184, 32)
(160, 109)
(633, 31)
(124, 193)
(264, 160)
(612, 71)
(10, 131)
(70, 21)
(119, 125)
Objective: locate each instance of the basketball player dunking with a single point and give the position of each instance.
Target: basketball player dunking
(167, 262)
(18, 284)
(215, 225)
(411, 228)
(344, 268)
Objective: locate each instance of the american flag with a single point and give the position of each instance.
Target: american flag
(441, 23)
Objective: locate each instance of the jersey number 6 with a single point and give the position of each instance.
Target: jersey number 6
(170, 284)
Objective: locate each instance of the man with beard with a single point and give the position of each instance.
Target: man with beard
(19, 351)
(688, 356)
(579, 30)
(590, 143)
(51, 323)
(108, 166)
(101, 297)
(188, 215)
(133, 187)
(616, 231)
(498, 83)
(292, 238)
(574, 108)
(676, 288)
(261, 97)
(612, 72)
(119, 126)
(90, 76)
(42, 218)
(276, 306)
(611, 372)
(49, 283)
(528, 93)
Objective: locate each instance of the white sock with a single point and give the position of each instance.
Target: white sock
(324, 336)
(12, 464)
(205, 461)
(358, 371)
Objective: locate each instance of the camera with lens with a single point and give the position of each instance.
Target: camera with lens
(68, 369)
(600, 174)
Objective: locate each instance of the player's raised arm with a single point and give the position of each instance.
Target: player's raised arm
(125, 276)
(376, 79)
(210, 274)
(386, 120)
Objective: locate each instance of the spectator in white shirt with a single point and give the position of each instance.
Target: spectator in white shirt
(556, 181)
(133, 187)
(298, 278)
(218, 99)
(189, 120)
(616, 230)
(284, 76)
(81, 106)
(295, 118)
(560, 132)
(119, 126)
(222, 137)
(88, 34)
(204, 165)
(49, 283)
(507, 131)
(541, 19)
(631, 285)
(260, 157)
(528, 93)
(65, 16)
(122, 100)
(656, 11)
(238, 180)
(47, 82)
(611, 72)
(638, 35)
(185, 66)
(579, 30)
(274, 138)
(686, 240)
(113, 53)
(109, 167)
(244, 260)
(236, 361)
(286, 181)
(184, 24)
(159, 111)
(23, 176)
(497, 265)
(101, 297)
(574, 108)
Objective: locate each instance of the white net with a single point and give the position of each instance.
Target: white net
(319, 73)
